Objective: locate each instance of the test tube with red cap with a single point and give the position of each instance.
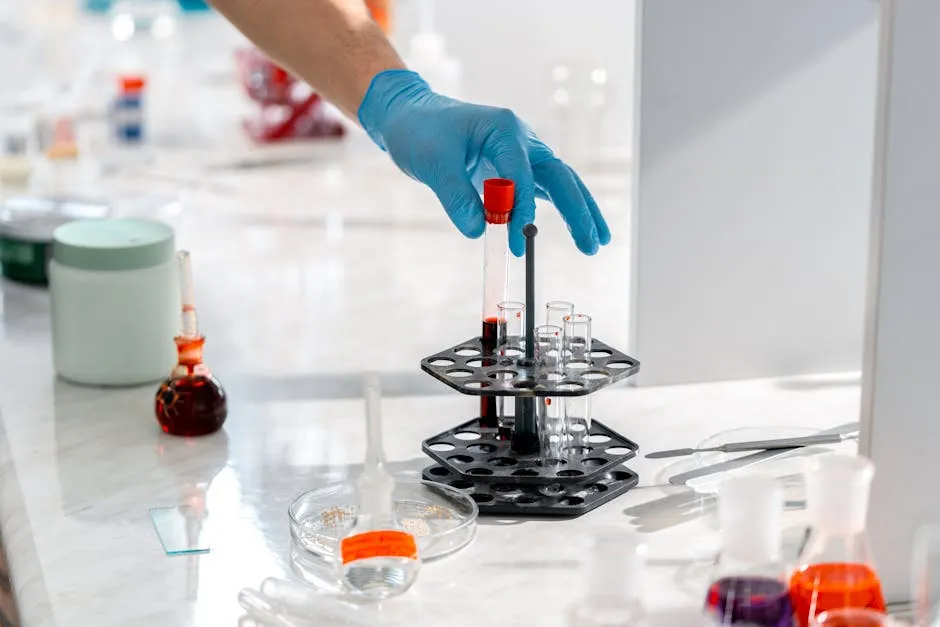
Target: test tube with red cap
(498, 195)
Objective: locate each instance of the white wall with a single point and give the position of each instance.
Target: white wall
(900, 430)
(752, 180)
(509, 48)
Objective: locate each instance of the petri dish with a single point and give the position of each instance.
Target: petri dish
(442, 518)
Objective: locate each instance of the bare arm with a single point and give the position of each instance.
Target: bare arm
(331, 44)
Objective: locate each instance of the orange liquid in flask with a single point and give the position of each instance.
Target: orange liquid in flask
(829, 586)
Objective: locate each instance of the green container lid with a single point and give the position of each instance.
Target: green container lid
(113, 244)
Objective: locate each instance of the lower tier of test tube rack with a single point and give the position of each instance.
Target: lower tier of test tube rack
(504, 478)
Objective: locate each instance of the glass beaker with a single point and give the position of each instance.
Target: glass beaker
(836, 569)
(613, 581)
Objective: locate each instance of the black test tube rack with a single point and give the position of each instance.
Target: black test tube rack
(507, 477)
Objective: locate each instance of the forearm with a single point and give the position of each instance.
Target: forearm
(331, 44)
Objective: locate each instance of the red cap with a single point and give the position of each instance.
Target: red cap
(132, 83)
(498, 195)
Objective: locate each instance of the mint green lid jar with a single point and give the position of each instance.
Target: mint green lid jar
(115, 301)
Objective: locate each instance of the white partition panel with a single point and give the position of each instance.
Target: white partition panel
(901, 391)
(752, 177)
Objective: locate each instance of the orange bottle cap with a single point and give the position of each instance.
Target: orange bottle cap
(498, 199)
(132, 83)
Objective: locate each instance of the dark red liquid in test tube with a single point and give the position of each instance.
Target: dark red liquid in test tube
(498, 199)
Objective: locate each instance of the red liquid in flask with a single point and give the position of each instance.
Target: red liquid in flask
(190, 401)
(750, 600)
(821, 587)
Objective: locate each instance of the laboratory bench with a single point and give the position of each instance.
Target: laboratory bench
(308, 274)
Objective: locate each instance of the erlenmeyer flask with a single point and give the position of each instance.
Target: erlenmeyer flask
(836, 568)
(750, 583)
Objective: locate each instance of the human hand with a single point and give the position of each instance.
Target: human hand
(452, 146)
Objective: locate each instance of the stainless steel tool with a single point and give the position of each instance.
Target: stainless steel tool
(757, 445)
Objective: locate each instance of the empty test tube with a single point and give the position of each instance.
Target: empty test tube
(578, 336)
(577, 350)
(556, 311)
(510, 338)
(552, 433)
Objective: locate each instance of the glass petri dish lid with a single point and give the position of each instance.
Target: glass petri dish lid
(442, 518)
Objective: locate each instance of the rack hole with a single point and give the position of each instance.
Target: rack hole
(553, 489)
(618, 450)
(618, 365)
(441, 362)
(482, 498)
(511, 352)
(481, 363)
(481, 448)
(572, 500)
(550, 461)
(598, 438)
(502, 461)
(597, 487)
(600, 353)
(441, 447)
(467, 351)
(479, 471)
(504, 488)
(525, 472)
(578, 364)
(476, 385)
(461, 484)
(459, 373)
(524, 384)
(439, 471)
(570, 473)
(595, 375)
(467, 435)
(527, 500)
(552, 376)
(460, 459)
(502, 375)
(579, 450)
(618, 475)
(593, 462)
(569, 386)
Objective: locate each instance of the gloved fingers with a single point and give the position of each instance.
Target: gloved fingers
(505, 148)
(459, 197)
(562, 186)
(603, 231)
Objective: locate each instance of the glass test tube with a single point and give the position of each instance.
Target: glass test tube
(555, 313)
(552, 432)
(577, 351)
(498, 197)
(509, 344)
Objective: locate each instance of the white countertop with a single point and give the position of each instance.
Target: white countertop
(297, 271)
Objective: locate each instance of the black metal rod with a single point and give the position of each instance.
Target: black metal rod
(530, 231)
(525, 434)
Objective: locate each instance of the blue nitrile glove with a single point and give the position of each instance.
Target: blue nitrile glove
(452, 146)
